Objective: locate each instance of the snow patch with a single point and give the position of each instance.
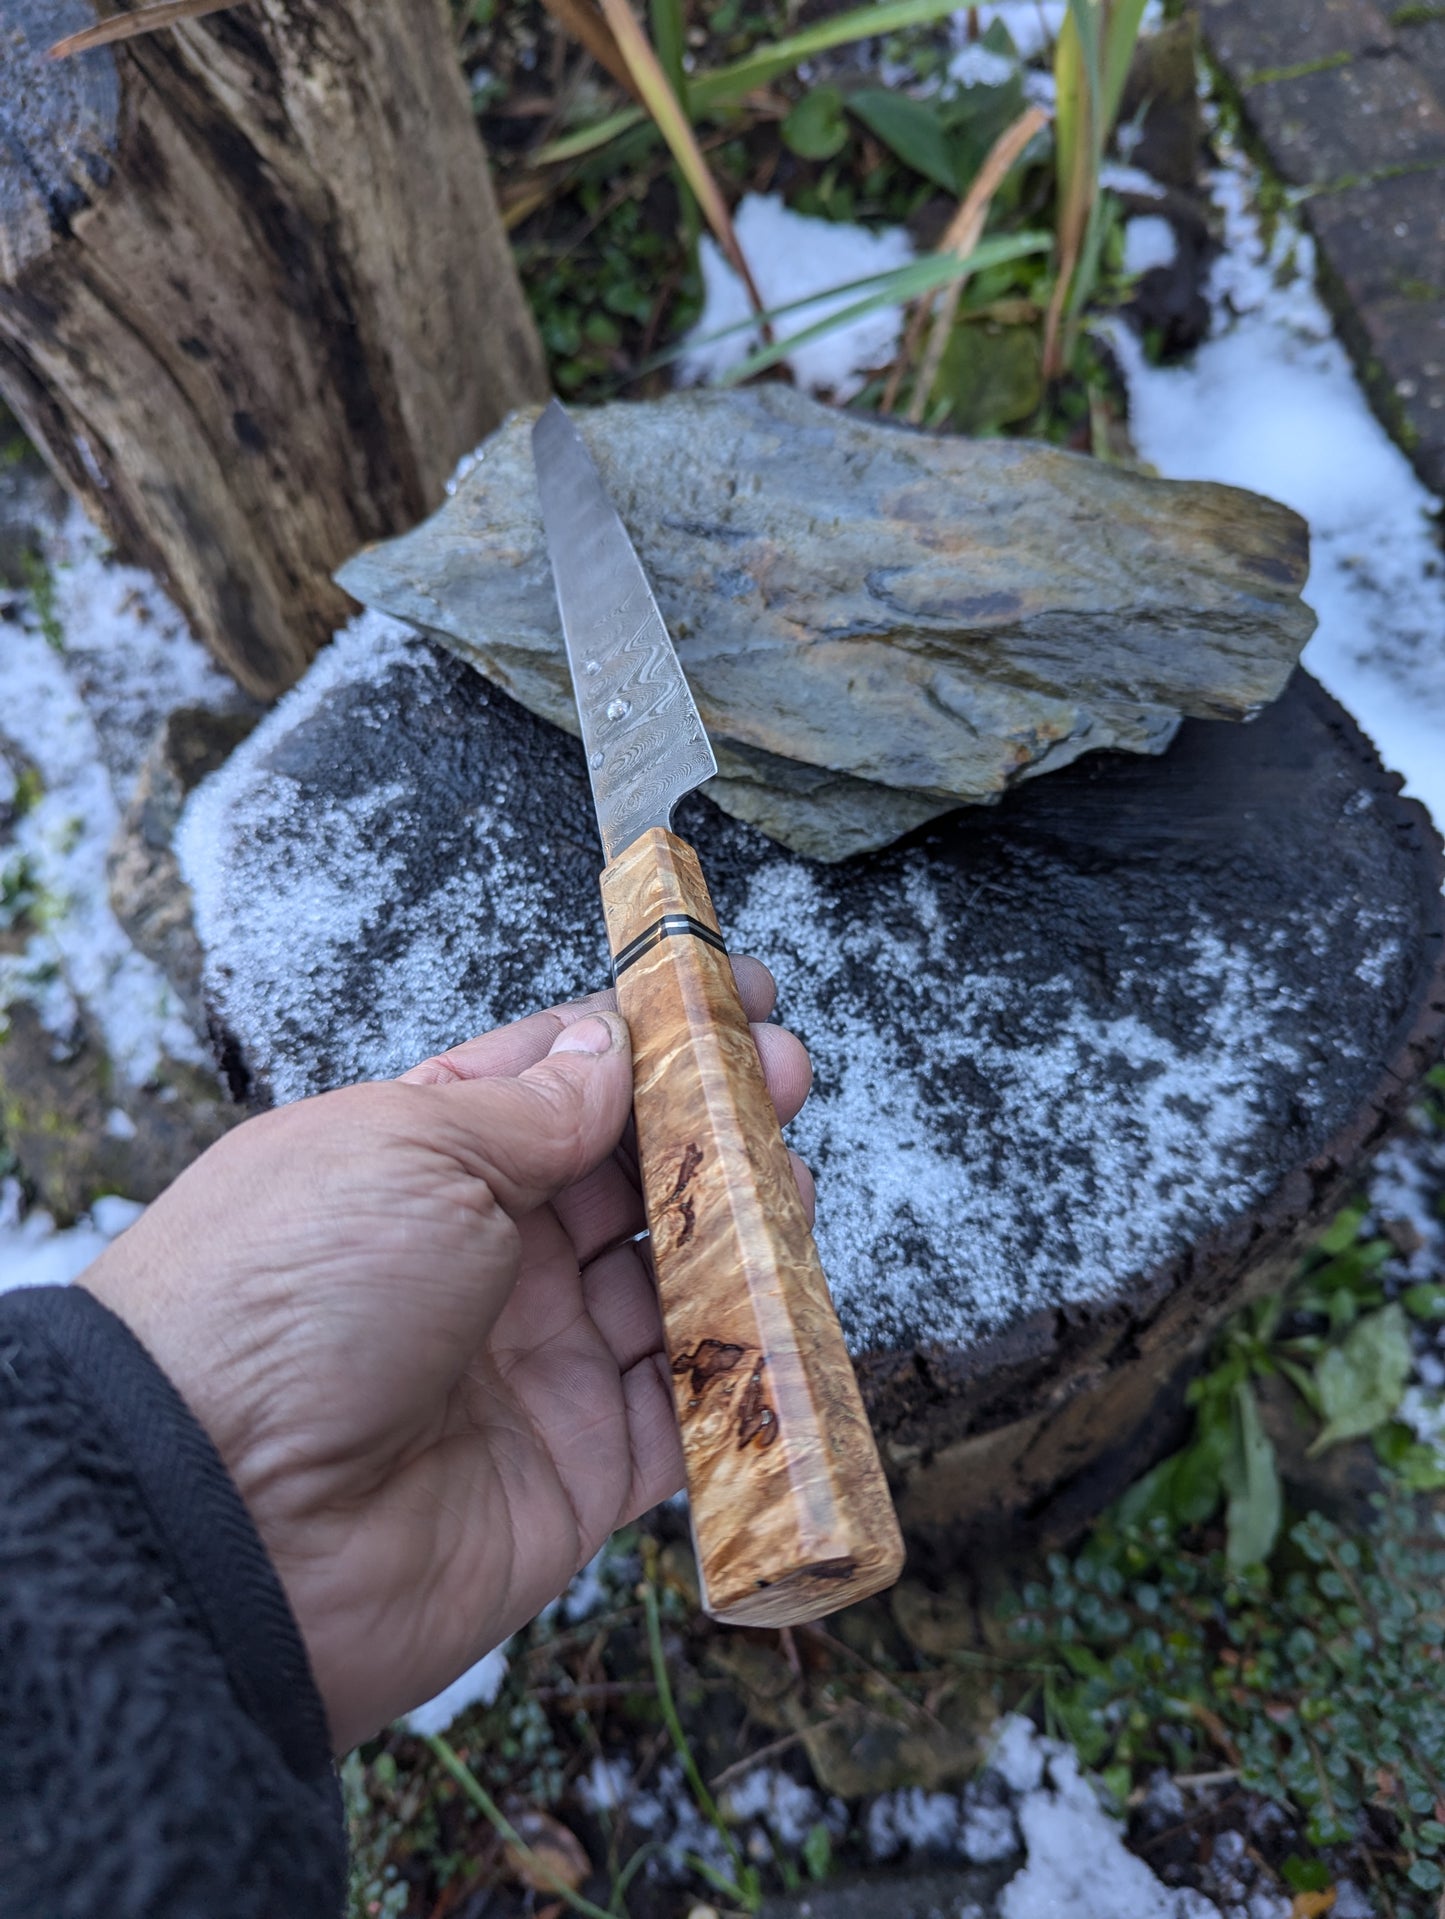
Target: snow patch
(1270, 401)
(35, 1252)
(1033, 25)
(975, 65)
(1077, 1860)
(1180, 1148)
(477, 1686)
(1149, 242)
(792, 257)
(80, 707)
(1018, 1754)
(605, 1785)
(912, 1820)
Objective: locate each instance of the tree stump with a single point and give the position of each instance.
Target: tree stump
(255, 296)
(1088, 1064)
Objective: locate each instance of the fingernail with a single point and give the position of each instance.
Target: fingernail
(591, 1035)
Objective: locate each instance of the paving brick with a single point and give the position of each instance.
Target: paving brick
(1384, 240)
(1407, 340)
(1346, 121)
(1260, 36)
(1424, 48)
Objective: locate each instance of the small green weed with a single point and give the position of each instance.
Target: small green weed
(1320, 1684)
(21, 893)
(39, 583)
(1197, 1626)
(1344, 1347)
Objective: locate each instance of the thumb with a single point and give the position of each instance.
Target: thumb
(531, 1136)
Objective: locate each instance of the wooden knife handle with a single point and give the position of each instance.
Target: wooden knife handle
(791, 1513)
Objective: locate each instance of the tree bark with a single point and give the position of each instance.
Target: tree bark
(255, 296)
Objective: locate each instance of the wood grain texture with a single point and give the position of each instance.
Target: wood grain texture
(790, 1508)
(255, 296)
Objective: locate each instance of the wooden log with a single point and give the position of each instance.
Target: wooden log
(790, 1508)
(255, 296)
(1089, 1065)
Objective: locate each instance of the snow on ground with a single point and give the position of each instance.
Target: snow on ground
(78, 707)
(791, 257)
(1030, 1803)
(34, 1253)
(1148, 242)
(1270, 401)
(1078, 1863)
(1033, 24)
(477, 1686)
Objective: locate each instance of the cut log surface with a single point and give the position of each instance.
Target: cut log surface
(1087, 1064)
(255, 297)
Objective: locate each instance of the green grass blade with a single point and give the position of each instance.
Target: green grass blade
(673, 123)
(668, 38)
(1119, 41)
(574, 146)
(907, 283)
(443, 1751)
(725, 86)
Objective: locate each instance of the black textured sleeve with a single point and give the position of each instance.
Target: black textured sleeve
(163, 1749)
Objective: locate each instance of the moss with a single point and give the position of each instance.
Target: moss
(1266, 76)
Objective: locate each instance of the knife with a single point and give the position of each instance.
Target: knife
(791, 1514)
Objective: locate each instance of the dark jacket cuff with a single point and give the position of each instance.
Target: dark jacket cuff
(202, 1520)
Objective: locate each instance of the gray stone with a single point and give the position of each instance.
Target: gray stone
(1424, 46)
(1386, 239)
(58, 139)
(1339, 123)
(1251, 39)
(877, 624)
(1405, 339)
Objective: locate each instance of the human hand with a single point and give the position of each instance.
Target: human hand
(413, 1319)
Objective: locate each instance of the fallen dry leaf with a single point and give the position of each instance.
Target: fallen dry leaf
(554, 1855)
(1309, 1905)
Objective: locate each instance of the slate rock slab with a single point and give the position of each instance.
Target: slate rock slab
(877, 624)
(1084, 1063)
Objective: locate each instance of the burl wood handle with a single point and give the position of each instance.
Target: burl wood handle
(790, 1510)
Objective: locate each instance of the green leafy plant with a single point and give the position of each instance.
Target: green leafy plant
(1319, 1687)
(946, 136)
(1091, 64)
(898, 285)
(723, 89)
(1346, 1351)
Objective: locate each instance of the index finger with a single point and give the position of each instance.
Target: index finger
(512, 1049)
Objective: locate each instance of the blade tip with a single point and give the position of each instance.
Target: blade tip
(553, 415)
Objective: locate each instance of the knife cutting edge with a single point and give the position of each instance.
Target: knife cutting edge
(791, 1513)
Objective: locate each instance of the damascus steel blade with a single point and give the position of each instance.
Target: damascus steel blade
(644, 741)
